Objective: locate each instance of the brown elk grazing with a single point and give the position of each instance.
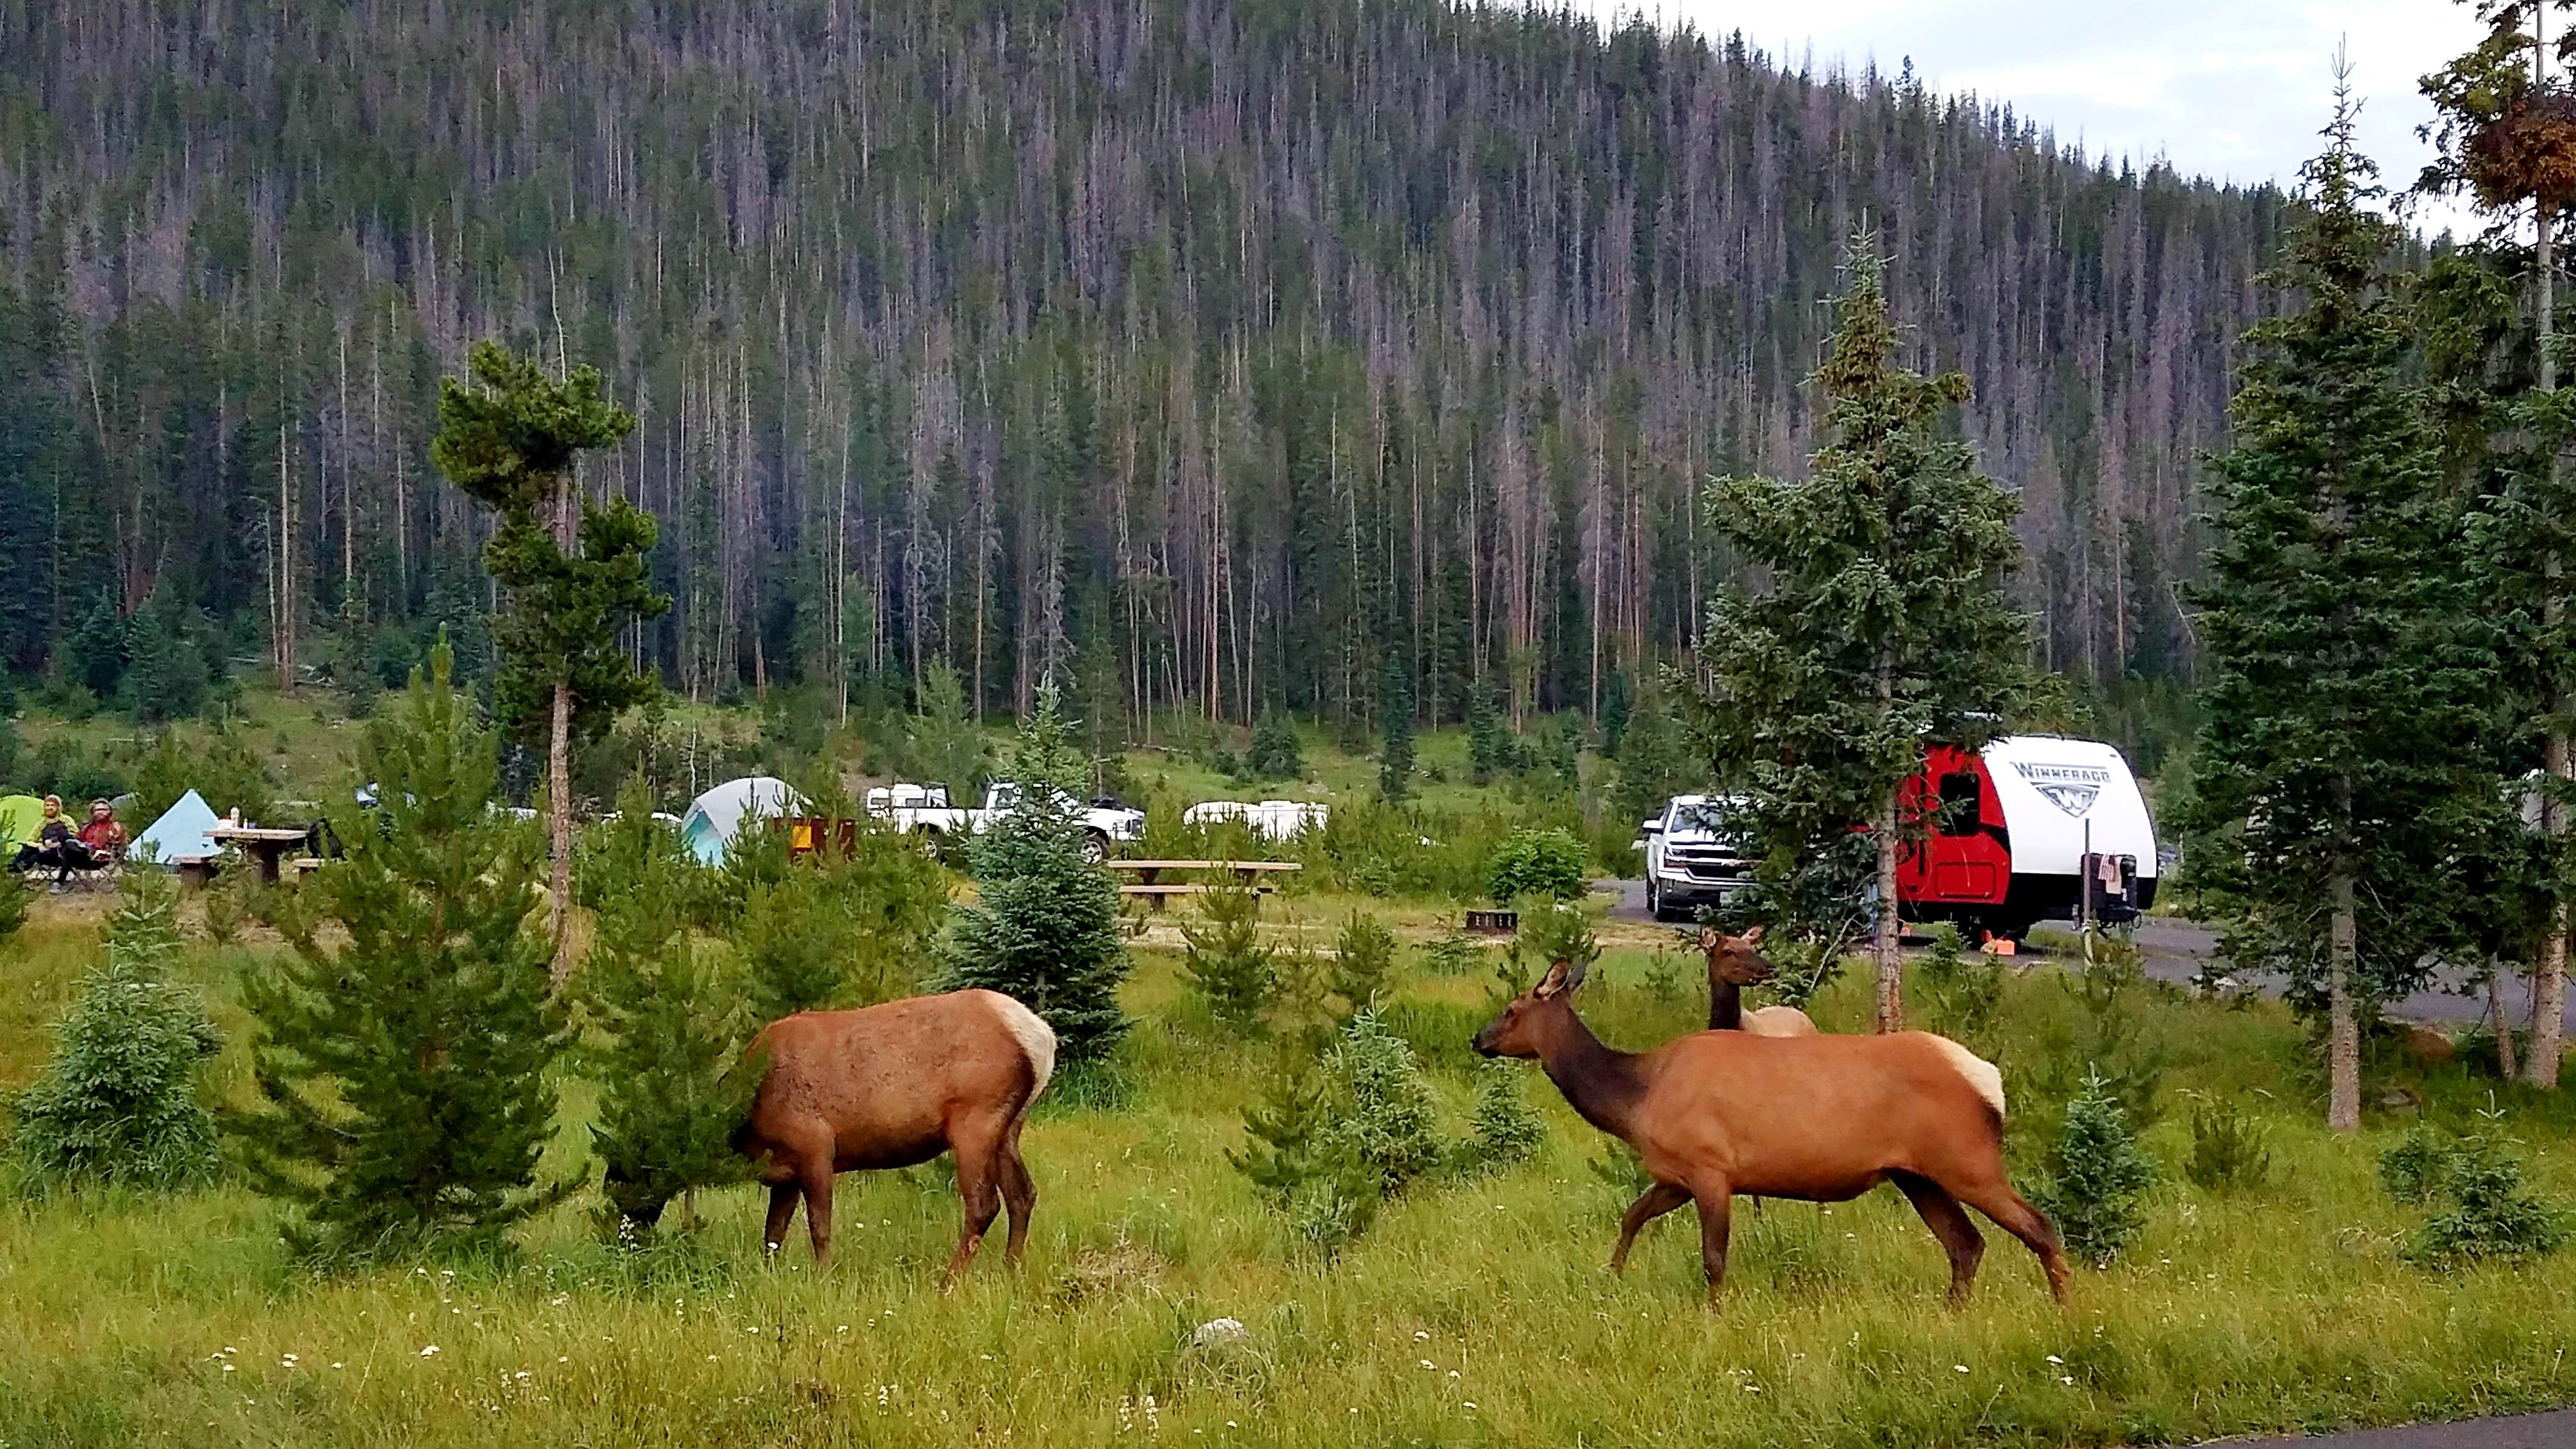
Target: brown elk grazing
(1733, 964)
(893, 1085)
(1816, 1118)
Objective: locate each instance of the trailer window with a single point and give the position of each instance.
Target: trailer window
(1959, 795)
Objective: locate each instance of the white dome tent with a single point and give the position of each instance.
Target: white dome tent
(716, 817)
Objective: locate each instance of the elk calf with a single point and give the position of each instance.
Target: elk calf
(1818, 1118)
(893, 1085)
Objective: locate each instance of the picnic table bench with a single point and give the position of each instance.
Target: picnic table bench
(264, 844)
(1150, 886)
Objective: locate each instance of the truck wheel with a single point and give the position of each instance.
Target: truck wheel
(934, 840)
(1655, 908)
(1095, 847)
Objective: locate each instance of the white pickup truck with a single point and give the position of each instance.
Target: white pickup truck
(1692, 860)
(924, 810)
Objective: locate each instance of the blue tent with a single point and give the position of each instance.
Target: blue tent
(715, 817)
(180, 832)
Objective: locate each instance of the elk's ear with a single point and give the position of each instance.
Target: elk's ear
(1554, 983)
(1753, 937)
(1708, 938)
(1574, 975)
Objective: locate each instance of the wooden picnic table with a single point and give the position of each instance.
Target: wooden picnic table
(1156, 892)
(265, 844)
(1150, 872)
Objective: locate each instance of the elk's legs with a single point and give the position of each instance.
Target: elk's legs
(1716, 1200)
(1020, 1193)
(978, 1164)
(1949, 1223)
(1998, 1201)
(782, 1210)
(1653, 1203)
(814, 1176)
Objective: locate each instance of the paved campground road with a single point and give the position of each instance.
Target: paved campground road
(2175, 951)
(2520, 1431)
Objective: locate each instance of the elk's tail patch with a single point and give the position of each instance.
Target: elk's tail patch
(1036, 1038)
(1980, 1073)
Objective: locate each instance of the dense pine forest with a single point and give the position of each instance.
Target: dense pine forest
(1215, 357)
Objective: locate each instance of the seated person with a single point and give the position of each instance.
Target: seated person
(104, 836)
(55, 845)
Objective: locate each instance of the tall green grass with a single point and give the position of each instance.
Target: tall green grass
(1473, 1312)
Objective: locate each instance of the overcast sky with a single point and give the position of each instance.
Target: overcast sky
(2231, 89)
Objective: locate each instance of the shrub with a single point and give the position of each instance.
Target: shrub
(2098, 1178)
(13, 906)
(795, 950)
(1363, 962)
(2477, 1181)
(118, 1103)
(2230, 1152)
(1547, 864)
(2414, 1170)
(1959, 990)
(402, 1065)
(1044, 929)
(1227, 966)
(1503, 1130)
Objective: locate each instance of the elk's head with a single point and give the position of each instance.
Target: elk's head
(1734, 960)
(1516, 1033)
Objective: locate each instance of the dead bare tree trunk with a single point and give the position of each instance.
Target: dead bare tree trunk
(1891, 960)
(2503, 1022)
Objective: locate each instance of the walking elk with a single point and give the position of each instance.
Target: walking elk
(893, 1085)
(1817, 1118)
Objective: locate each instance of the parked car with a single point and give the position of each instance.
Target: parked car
(924, 810)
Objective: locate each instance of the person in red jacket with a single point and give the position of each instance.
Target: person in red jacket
(103, 837)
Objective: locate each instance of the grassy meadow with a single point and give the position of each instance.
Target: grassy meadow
(1475, 1310)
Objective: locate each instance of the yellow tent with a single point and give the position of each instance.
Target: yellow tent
(19, 817)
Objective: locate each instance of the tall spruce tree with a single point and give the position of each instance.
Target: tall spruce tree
(1044, 926)
(401, 1059)
(1395, 730)
(2503, 130)
(575, 573)
(1883, 628)
(2343, 674)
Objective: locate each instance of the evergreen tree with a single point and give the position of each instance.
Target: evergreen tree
(1363, 964)
(1227, 965)
(1395, 732)
(97, 649)
(1616, 710)
(2096, 1177)
(1276, 753)
(166, 673)
(797, 948)
(402, 1062)
(1044, 926)
(946, 745)
(674, 1084)
(2503, 127)
(1489, 741)
(1505, 1129)
(2343, 670)
(575, 574)
(1883, 629)
(1655, 762)
(118, 1103)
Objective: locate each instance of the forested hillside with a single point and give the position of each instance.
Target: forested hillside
(1204, 354)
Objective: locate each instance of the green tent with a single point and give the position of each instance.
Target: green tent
(19, 817)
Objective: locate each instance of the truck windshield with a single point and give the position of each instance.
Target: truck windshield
(1705, 819)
